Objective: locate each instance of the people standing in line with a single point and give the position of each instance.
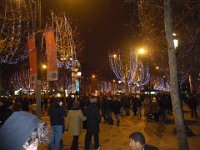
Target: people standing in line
(116, 109)
(74, 124)
(23, 131)
(93, 120)
(56, 113)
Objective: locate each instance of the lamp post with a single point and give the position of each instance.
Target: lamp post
(44, 67)
(79, 82)
(38, 83)
(93, 82)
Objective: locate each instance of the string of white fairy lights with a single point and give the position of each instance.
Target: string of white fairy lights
(64, 42)
(18, 16)
(161, 85)
(65, 46)
(20, 19)
(134, 75)
(108, 87)
(20, 80)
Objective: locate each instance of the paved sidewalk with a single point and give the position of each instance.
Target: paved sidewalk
(158, 134)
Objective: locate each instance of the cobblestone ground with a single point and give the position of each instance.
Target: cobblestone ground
(161, 135)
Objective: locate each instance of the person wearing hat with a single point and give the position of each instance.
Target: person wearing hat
(93, 120)
(23, 131)
(74, 124)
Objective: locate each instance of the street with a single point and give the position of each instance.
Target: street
(113, 137)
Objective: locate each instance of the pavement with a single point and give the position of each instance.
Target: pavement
(113, 137)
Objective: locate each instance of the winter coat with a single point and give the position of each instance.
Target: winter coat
(56, 114)
(93, 118)
(193, 103)
(116, 107)
(154, 106)
(74, 122)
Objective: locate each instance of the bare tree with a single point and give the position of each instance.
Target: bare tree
(178, 112)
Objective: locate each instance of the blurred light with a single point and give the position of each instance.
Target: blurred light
(175, 43)
(114, 56)
(175, 40)
(119, 81)
(174, 34)
(93, 76)
(141, 51)
(44, 66)
(58, 95)
(79, 74)
(157, 68)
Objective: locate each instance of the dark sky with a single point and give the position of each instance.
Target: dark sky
(102, 26)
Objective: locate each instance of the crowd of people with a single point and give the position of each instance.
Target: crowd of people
(74, 114)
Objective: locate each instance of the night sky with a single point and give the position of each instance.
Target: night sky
(103, 28)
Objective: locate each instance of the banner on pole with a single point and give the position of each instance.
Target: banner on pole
(32, 58)
(52, 68)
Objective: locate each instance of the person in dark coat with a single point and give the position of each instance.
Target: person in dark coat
(117, 109)
(93, 120)
(134, 105)
(139, 105)
(108, 110)
(193, 106)
(56, 114)
(103, 108)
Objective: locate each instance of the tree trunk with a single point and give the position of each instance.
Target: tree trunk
(178, 112)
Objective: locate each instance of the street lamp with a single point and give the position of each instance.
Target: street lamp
(44, 66)
(141, 51)
(93, 76)
(79, 74)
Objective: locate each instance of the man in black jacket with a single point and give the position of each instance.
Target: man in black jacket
(93, 120)
(56, 114)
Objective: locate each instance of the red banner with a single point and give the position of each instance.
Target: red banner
(52, 68)
(32, 58)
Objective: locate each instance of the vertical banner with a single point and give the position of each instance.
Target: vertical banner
(52, 68)
(32, 58)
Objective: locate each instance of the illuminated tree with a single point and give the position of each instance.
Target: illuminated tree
(129, 70)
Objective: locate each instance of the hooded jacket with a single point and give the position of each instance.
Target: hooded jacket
(17, 129)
